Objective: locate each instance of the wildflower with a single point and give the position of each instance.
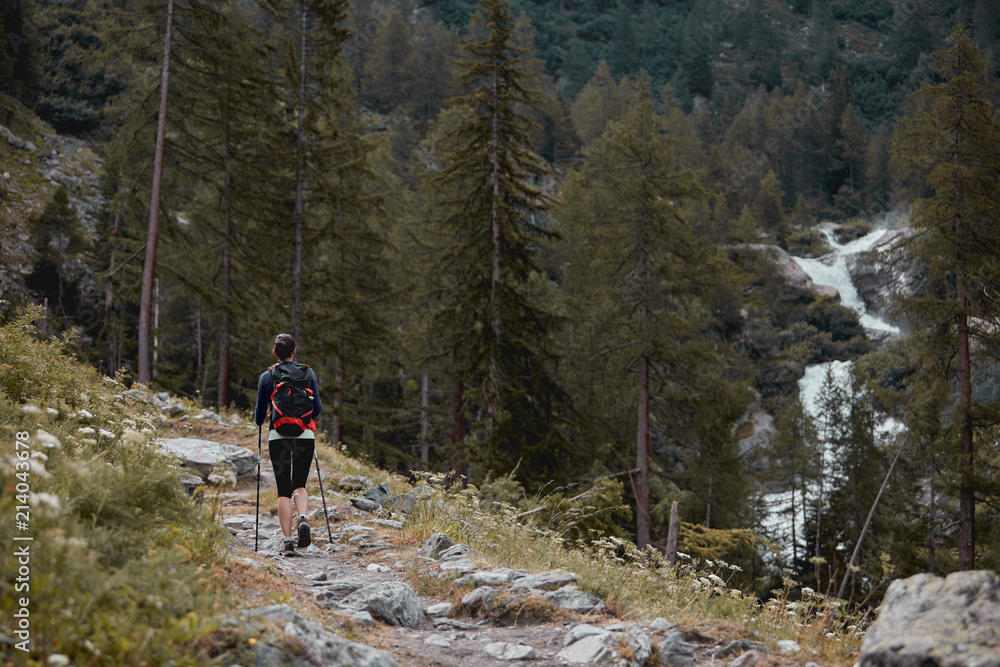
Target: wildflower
(709, 563)
(792, 605)
(31, 410)
(735, 568)
(46, 500)
(683, 556)
(716, 579)
(807, 591)
(47, 440)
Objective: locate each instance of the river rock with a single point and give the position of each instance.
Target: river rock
(204, 456)
(394, 602)
(949, 621)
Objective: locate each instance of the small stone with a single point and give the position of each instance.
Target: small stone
(435, 544)
(659, 624)
(506, 651)
(439, 609)
(438, 640)
(365, 505)
(748, 659)
(355, 483)
(363, 618)
(741, 645)
(319, 576)
(588, 649)
(375, 567)
(496, 577)
(788, 646)
(545, 581)
(583, 630)
(642, 648)
(379, 493)
(473, 597)
(388, 523)
(455, 552)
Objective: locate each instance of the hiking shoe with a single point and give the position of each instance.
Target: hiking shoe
(305, 539)
(287, 548)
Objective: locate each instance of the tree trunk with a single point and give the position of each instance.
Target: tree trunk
(819, 509)
(338, 402)
(932, 524)
(864, 530)
(966, 494)
(458, 463)
(675, 526)
(149, 263)
(493, 401)
(425, 422)
(222, 396)
(642, 431)
(295, 314)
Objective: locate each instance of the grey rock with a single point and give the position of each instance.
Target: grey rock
(354, 483)
(673, 650)
(572, 599)
(14, 140)
(451, 623)
(885, 268)
(462, 566)
(339, 589)
(205, 456)
(590, 649)
(786, 266)
(544, 581)
(363, 618)
(365, 505)
(455, 552)
(434, 545)
(735, 647)
(439, 609)
(30, 147)
(404, 502)
(642, 647)
(240, 522)
(323, 647)
(506, 651)
(473, 598)
(749, 659)
(438, 640)
(379, 493)
(949, 621)
(659, 624)
(137, 395)
(584, 630)
(392, 601)
(388, 523)
(788, 646)
(497, 577)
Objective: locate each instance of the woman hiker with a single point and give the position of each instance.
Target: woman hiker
(291, 442)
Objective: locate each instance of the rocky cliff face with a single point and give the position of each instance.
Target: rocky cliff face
(883, 271)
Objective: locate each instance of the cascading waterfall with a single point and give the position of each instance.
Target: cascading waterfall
(829, 270)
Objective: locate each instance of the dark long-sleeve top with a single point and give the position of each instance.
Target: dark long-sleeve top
(265, 387)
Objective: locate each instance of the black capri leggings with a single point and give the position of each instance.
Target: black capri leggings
(290, 460)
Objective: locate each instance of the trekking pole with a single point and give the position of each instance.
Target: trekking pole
(329, 533)
(257, 506)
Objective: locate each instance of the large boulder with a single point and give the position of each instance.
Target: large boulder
(928, 620)
(205, 456)
(394, 602)
(788, 268)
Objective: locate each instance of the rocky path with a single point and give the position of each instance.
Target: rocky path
(505, 617)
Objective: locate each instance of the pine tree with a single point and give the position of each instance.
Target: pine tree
(955, 144)
(385, 83)
(644, 245)
(598, 103)
(792, 464)
(488, 320)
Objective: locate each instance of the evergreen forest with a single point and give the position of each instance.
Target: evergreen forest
(537, 244)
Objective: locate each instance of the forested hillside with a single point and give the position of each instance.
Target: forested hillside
(535, 242)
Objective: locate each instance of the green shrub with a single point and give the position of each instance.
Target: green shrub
(121, 565)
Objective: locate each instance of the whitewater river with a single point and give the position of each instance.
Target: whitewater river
(829, 270)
